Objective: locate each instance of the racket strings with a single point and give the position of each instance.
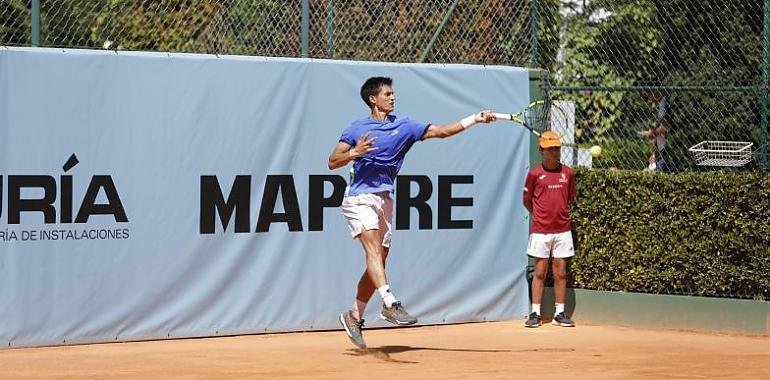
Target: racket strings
(538, 117)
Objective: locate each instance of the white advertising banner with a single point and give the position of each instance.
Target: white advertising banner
(157, 195)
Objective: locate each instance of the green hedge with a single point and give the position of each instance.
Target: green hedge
(697, 233)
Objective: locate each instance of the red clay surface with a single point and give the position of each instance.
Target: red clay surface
(469, 351)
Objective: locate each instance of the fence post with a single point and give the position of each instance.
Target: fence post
(330, 30)
(765, 84)
(305, 33)
(35, 22)
(537, 91)
(534, 25)
(438, 31)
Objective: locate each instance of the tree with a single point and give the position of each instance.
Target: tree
(662, 44)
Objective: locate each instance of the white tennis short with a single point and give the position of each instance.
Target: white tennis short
(546, 245)
(369, 212)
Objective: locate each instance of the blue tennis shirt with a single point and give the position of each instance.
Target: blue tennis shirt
(377, 170)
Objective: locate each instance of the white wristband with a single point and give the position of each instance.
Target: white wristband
(468, 121)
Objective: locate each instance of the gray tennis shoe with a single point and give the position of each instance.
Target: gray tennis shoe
(353, 328)
(533, 320)
(562, 320)
(397, 315)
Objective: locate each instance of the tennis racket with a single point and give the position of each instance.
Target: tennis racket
(537, 117)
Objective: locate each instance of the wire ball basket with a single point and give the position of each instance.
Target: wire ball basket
(722, 153)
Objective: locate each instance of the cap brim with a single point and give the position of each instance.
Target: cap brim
(550, 144)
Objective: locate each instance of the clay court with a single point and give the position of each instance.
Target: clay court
(468, 351)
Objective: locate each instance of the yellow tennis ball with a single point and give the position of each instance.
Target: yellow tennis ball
(596, 151)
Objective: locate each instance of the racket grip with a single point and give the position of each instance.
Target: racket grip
(503, 116)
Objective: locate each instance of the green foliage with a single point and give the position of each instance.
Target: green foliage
(618, 50)
(163, 25)
(654, 43)
(262, 27)
(69, 23)
(15, 23)
(549, 24)
(704, 233)
(622, 154)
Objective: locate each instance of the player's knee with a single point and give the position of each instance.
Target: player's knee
(539, 275)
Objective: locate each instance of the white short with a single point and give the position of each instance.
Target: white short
(369, 212)
(546, 245)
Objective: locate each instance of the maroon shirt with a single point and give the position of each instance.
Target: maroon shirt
(551, 193)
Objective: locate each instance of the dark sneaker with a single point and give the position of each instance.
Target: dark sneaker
(533, 320)
(353, 329)
(562, 320)
(397, 315)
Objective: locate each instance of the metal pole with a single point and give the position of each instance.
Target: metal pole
(533, 33)
(537, 92)
(35, 22)
(330, 29)
(765, 83)
(305, 37)
(438, 31)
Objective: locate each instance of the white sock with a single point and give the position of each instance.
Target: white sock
(387, 297)
(536, 308)
(559, 308)
(358, 309)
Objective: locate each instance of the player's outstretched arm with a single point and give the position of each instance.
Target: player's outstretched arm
(343, 152)
(451, 129)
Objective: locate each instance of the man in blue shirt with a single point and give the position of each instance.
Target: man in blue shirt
(378, 145)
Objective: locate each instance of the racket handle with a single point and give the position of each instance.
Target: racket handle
(503, 116)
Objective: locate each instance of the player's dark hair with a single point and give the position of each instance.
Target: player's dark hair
(372, 87)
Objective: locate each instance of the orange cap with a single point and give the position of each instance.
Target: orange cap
(549, 139)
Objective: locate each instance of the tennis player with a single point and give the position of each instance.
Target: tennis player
(548, 192)
(378, 145)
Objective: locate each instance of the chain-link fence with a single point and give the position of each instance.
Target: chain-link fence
(654, 82)
(649, 80)
(485, 32)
